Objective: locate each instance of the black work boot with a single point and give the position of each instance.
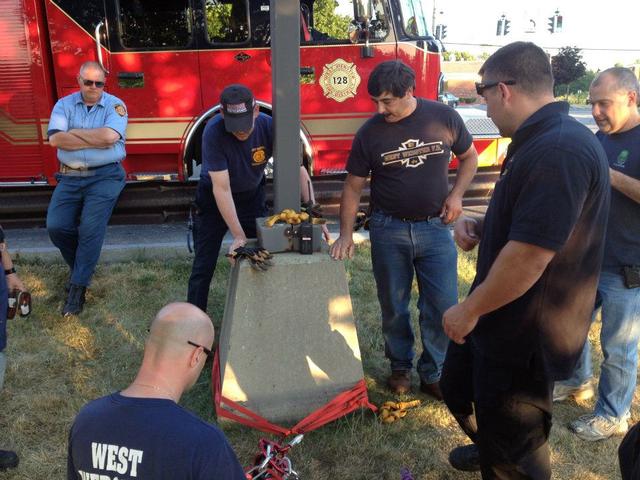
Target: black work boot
(75, 300)
(8, 459)
(465, 458)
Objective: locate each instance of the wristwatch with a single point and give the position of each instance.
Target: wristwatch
(10, 271)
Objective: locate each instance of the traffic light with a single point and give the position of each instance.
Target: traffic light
(505, 29)
(441, 31)
(499, 27)
(555, 22)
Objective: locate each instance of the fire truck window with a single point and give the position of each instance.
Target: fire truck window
(154, 23)
(87, 13)
(329, 21)
(227, 21)
(414, 18)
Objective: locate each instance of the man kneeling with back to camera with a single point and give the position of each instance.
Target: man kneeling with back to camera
(141, 431)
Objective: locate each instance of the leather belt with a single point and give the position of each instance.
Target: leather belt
(79, 172)
(415, 219)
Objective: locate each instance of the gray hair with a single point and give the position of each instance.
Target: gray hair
(623, 79)
(92, 65)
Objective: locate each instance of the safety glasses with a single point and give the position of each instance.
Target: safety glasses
(481, 87)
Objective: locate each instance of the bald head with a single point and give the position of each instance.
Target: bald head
(177, 324)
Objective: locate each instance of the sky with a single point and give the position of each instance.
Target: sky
(606, 35)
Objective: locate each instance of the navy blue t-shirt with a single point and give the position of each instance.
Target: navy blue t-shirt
(622, 246)
(408, 160)
(123, 438)
(245, 160)
(553, 193)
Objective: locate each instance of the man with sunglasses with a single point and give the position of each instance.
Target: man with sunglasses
(88, 130)
(236, 146)
(141, 431)
(527, 315)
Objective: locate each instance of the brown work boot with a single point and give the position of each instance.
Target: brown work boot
(399, 381)
(432, 389)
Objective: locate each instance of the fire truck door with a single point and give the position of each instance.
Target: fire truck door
(334, 74)
(154, 69)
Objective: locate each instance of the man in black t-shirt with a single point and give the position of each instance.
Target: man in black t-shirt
(406, 147)
(541, 246)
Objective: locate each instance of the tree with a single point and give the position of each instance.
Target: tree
(568, 66)
(327, 21)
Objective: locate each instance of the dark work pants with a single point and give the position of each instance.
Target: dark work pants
(504, 409)
(629, 454)
(208, 231)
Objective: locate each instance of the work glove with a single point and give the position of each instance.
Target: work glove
(259, 258)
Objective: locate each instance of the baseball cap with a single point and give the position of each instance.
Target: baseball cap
(237, 104)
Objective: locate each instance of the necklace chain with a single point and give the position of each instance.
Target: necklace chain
(154, 387)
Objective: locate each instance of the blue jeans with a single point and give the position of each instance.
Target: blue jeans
(619, 341)
(78, 215)
(398, 248)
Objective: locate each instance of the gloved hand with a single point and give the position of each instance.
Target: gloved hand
(259, 257)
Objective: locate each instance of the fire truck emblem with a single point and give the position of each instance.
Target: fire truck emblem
(120, 110)
(339, 80)
(411, 153)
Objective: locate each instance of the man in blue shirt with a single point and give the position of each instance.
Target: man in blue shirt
(614, 97)
(236, 146)
(88, 129)
(141, 432)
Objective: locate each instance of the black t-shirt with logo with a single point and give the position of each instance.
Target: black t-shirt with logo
(408, 160)
(622, 246)
(553, 193)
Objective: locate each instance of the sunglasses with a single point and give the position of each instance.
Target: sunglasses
(481, 87)
(206, 351)
(91, 83)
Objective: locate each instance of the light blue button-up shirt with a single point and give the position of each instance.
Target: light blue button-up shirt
(70, 112)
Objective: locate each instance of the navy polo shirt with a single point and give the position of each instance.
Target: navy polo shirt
(245, 160)
(553, 192)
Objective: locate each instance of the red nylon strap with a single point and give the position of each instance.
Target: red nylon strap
(342, 404)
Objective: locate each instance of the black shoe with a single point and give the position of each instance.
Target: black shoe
(8, 459)
(75, 300)
(465, 458)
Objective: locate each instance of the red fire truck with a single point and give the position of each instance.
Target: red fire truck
(168, 60)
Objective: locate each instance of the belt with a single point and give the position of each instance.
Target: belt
(416, 219)
(80, 171)
(425, 218)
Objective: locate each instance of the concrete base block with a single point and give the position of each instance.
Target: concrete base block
(288, 343)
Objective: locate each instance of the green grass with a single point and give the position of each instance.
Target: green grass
(56, 365)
